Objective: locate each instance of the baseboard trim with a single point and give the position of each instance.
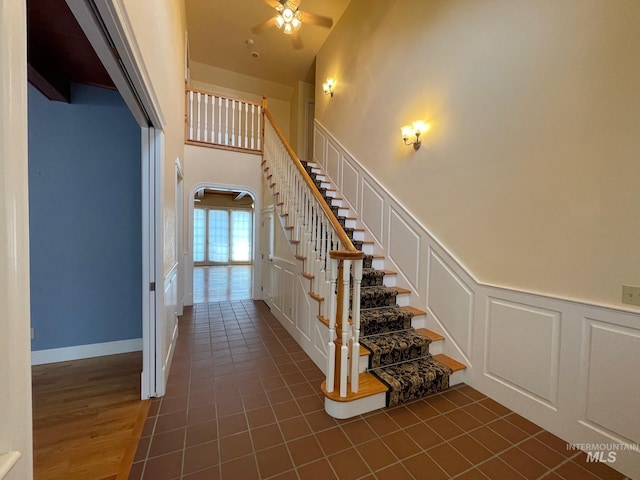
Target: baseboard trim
(53, 355)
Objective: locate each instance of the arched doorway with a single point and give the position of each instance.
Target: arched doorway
(223, 243)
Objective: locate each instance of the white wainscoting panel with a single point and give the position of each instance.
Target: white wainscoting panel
(170, 334)
(523, 348)
(319, 145)
(276, 286)
(303, 316)
(333, 164)
(287, 294)
(450, 302)
(404, 248)
(567, 366)
(372, 211)
(350, 181)
(612, 378)
(303, 325)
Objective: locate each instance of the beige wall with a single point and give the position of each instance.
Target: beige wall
(301, 95)
(529, 175)
(16, 449)
(236, 85)
(159, 27)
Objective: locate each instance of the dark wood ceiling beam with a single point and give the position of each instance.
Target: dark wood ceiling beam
(50, 85)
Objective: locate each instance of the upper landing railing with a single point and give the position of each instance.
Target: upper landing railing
(330, 261)
(223, 122)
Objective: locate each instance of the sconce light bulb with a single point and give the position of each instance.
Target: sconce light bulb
(328, 86)
(411, 133)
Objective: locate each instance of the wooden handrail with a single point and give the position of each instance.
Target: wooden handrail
(350, 251)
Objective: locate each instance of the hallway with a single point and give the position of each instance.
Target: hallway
(243, 402)
(222, 283)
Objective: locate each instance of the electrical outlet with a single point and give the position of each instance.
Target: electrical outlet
(631, 295)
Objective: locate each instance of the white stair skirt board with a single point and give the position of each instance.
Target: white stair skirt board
(356, 407)
(342, 410)
(65, 354)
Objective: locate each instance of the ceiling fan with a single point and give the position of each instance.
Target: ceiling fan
(289, 19)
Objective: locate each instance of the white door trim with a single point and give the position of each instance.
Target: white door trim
(107, 26)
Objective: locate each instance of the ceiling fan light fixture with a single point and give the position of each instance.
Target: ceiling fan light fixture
(289, 18)
(287, 15)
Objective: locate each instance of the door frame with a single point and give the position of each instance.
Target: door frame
(107, 27)
(256, 219)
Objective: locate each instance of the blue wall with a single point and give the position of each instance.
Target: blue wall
(85, 219)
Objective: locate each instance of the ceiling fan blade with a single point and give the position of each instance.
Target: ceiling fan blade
(272, 3)
(261, 27)
(296, 39)
(314, 19)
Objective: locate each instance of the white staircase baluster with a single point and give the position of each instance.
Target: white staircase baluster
(220, 120)
(212, 134)
(190, 115)
(355, 322)
(246, 125)
(233, 122)
(226, 123)
(253, 131)
(198, 126)
(344, 349)
(331, 345)
(206, 116)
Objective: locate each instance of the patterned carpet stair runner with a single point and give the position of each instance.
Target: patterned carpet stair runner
(399, 357)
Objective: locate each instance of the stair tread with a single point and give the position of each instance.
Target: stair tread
(416, 312)
(434, 336)
(450, 362)
(316, 297)
(367, 385)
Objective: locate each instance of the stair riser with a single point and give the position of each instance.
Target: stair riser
(434, 349)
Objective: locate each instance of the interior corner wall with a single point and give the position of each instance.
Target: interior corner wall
(302, 93)
(85, 227)
(529, 174)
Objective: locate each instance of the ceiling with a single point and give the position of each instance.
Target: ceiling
(219, 32)
(220, 35)
(58, 52)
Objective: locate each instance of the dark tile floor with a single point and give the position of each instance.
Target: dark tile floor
(243, 402)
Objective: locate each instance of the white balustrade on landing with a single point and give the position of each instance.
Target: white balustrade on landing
(224, 122)
(324, 253)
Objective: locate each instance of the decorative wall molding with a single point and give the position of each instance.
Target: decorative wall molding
(288, 289)
(568, 366)
(450, 298)
(521, 338)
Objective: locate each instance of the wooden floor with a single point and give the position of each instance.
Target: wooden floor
(87, 417)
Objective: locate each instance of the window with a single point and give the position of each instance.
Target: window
(221, 235)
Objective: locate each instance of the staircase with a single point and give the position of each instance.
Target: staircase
(376, 358)
(394, 353)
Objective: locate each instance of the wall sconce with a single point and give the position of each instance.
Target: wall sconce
(409, 132)
(328, 86)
